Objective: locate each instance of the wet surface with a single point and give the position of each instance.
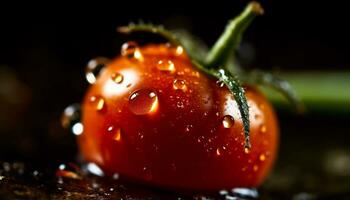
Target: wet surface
(68, 181)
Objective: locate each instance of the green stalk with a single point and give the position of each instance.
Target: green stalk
(325, 92)
(223, 50)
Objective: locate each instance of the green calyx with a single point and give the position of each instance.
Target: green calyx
(219, 61)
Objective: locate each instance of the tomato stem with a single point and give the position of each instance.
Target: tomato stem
(222, 52)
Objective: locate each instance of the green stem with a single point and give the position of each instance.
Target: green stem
(320, 91)
(223, 49)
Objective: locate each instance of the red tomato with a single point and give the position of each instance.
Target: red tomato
(153, 117)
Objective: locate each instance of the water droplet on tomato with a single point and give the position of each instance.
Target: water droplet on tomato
(179, 84)
(115, 176)
(117, 135)
(98, 102)
(166, 65)
(77, 128)
(246, 150)
(70, 115)
(262, 157)
(110, 128)
(188, 128)
(255, 168)
(228, 121)
(94, 169)
(179, 50)
(220, 83)
(131, 50)
(257, 117)
(180, 104)
(146, 171)
(68, 170)
(117, 77)
(143, 102)
(262, 128)
(93, 69)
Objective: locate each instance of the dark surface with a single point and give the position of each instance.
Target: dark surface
(42, 57)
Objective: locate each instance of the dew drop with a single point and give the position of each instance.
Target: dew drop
(257, 117)
(117, 77)
(262, 128)
(69, 170)
(98, 102)
(143, 102)
(255, 168)
(166, 65)
(220, 83)
(70, 115)
(147, 172)
(115, 176)
(179, 50)
(93, 69)
(246, 150)
(228, 121)
(188, 128)
(94, 169)
(180, 104)
(179, 84)
(262, 157)
(110, 128)
(77, 128)
(218, 151)
(131, 50)
(118, 135)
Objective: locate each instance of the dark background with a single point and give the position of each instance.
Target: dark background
(43, 52)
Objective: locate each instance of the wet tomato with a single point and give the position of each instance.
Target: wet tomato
(152, 116)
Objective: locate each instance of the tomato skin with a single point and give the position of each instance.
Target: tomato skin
(181, 143)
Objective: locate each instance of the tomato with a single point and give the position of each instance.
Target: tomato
(153, 117)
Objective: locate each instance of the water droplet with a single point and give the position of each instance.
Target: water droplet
(262, 128)
(147, 173)
(244, 169)
(115, 176)
(262, 157)
(246, 150)
(180, 104)
(77, 128)
(140, 135)
(257, 116)
(143, 102)
(118, 135)
(218, 152)
(200, 139)
(166, 65)
(131, 50)
(255, 168)
(98, 102)
(93, 69)
(69, 170)
(110, 128)
(228, 121)
(188, 128)
(94, 169)
(70, 115)
(117, 77)
(180, 85)
(220, 83)
(179, 50)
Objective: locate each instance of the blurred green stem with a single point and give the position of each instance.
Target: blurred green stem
(319, 91)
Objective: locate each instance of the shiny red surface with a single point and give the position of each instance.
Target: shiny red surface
(177, 138)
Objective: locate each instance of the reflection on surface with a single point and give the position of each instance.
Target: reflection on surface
(130, 79)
